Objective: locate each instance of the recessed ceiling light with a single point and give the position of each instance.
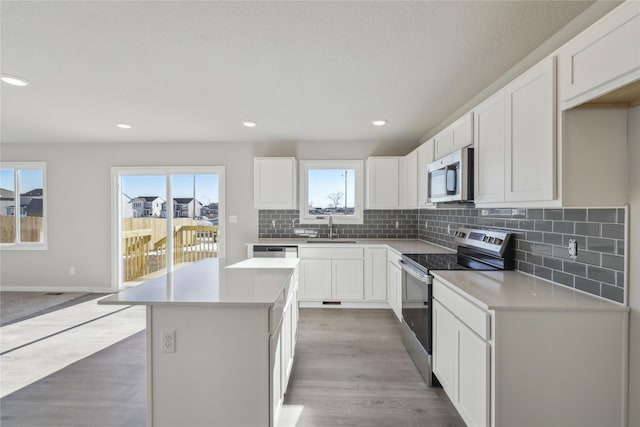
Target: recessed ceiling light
(379, 122)
(14, 80)
(249, 124)
(124, 126)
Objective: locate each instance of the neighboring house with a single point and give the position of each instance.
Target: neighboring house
(7, 202)
(30, 202)
(147, 206)
(184, 208)
(127, 207)
(210, 210)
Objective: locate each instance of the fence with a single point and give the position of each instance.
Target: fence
(157, 226)
(31, 229)
(191, 243)
(136, 249)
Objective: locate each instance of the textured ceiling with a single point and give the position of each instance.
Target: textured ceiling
(193, 71)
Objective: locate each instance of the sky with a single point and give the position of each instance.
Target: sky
(206, 186)
(29, 180)
(323, 182)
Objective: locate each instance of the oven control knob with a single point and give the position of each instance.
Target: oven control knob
(485, 239)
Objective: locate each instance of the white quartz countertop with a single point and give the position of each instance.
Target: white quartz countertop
(401, 246)
(512, 290)
(267, 263)
(208, 282)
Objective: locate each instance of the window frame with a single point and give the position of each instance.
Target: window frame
(27, 246)
(358, 214)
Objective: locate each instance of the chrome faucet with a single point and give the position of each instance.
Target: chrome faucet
(330, 226)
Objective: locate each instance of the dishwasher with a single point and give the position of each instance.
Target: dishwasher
(268, 251)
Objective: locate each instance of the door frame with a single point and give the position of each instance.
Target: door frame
(116, 207)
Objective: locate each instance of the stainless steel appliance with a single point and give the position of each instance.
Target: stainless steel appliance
(284, 251)
(451, 177)
(476, 250)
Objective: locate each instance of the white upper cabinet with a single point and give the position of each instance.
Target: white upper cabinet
(602, 58)
(274, 183)
(457, 135)
(383, 183)
(489, 145)
(425, 156)
(462, 132)
(531, 135)
(409, 180)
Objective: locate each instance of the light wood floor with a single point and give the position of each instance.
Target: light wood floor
(351, 369)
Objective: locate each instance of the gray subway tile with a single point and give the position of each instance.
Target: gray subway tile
(553, 214)
(563, 278)
(614, 262)
(575, 214)
(542, 249)
(566, 227)
(574, 268)
(620, 279)
(553, 239)
(542, 225)
(535, 213)
(560, 252)
(552, 263)
(534, 236)
(588, 257)
(620, 247)
(602, 215)
(621, 216)
(526, 224)
(525, 267)
(588, 229)
(543, 272)
(601, 245)
(582, 241)
(587, 285)
(601, 275)
(613, 293)
(534, 259)
(613, 231)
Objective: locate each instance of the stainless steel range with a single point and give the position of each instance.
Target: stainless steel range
(476, 250)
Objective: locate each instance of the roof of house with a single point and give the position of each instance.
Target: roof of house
(183, 200)
(4, 193)
(33, 193)
(149, 198)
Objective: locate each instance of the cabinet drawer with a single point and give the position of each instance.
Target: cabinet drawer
(331, 253)
(470, 314)
(394, 257)
(275, 312)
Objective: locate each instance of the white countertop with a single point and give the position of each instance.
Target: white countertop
(267, 263)
(401, 246)
(208, 282)
(512, 290)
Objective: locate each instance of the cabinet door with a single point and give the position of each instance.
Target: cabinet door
(410, 184)
(275, 363)
(425, 156)
(394, 283)
(315, 279)
(462, 132)
(473, 374)
(445, 349)
(489, 167)
(604, 57)
(348, 279)
(375, 277)
(531, 135)
(274, 183)
(382, 183)
(443, 143)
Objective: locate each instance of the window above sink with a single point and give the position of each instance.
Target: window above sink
(331, 188)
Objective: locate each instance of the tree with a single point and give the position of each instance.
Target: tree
(336, 198)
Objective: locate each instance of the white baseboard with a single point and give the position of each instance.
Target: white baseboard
(54, 289)
(319, 304)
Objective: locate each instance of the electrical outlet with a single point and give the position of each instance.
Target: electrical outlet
(448, 228)
(168, 340)
(273, 223)
(397, 224)
(426, 224)
(72, 271)
(573, 249)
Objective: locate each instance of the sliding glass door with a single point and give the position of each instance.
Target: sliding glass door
(165, 218)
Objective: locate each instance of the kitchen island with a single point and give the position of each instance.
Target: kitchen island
(220, 342)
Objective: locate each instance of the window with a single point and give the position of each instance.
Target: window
(331, 188)
(22, 206)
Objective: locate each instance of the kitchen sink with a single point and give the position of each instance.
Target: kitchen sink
(330, 241)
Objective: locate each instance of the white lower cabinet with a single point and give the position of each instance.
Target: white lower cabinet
(375, 274)
(394, 282)
(332, 274)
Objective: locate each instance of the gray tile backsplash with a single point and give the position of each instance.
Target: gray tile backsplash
(541, 238)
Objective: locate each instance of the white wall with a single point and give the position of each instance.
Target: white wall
(634, 267)
(77, 173)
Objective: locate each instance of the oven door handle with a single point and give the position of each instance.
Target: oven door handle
(411, 271)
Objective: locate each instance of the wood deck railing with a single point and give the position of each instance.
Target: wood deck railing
(136, 250)
(191, 243)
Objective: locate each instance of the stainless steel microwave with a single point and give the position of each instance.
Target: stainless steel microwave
(451, 177)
